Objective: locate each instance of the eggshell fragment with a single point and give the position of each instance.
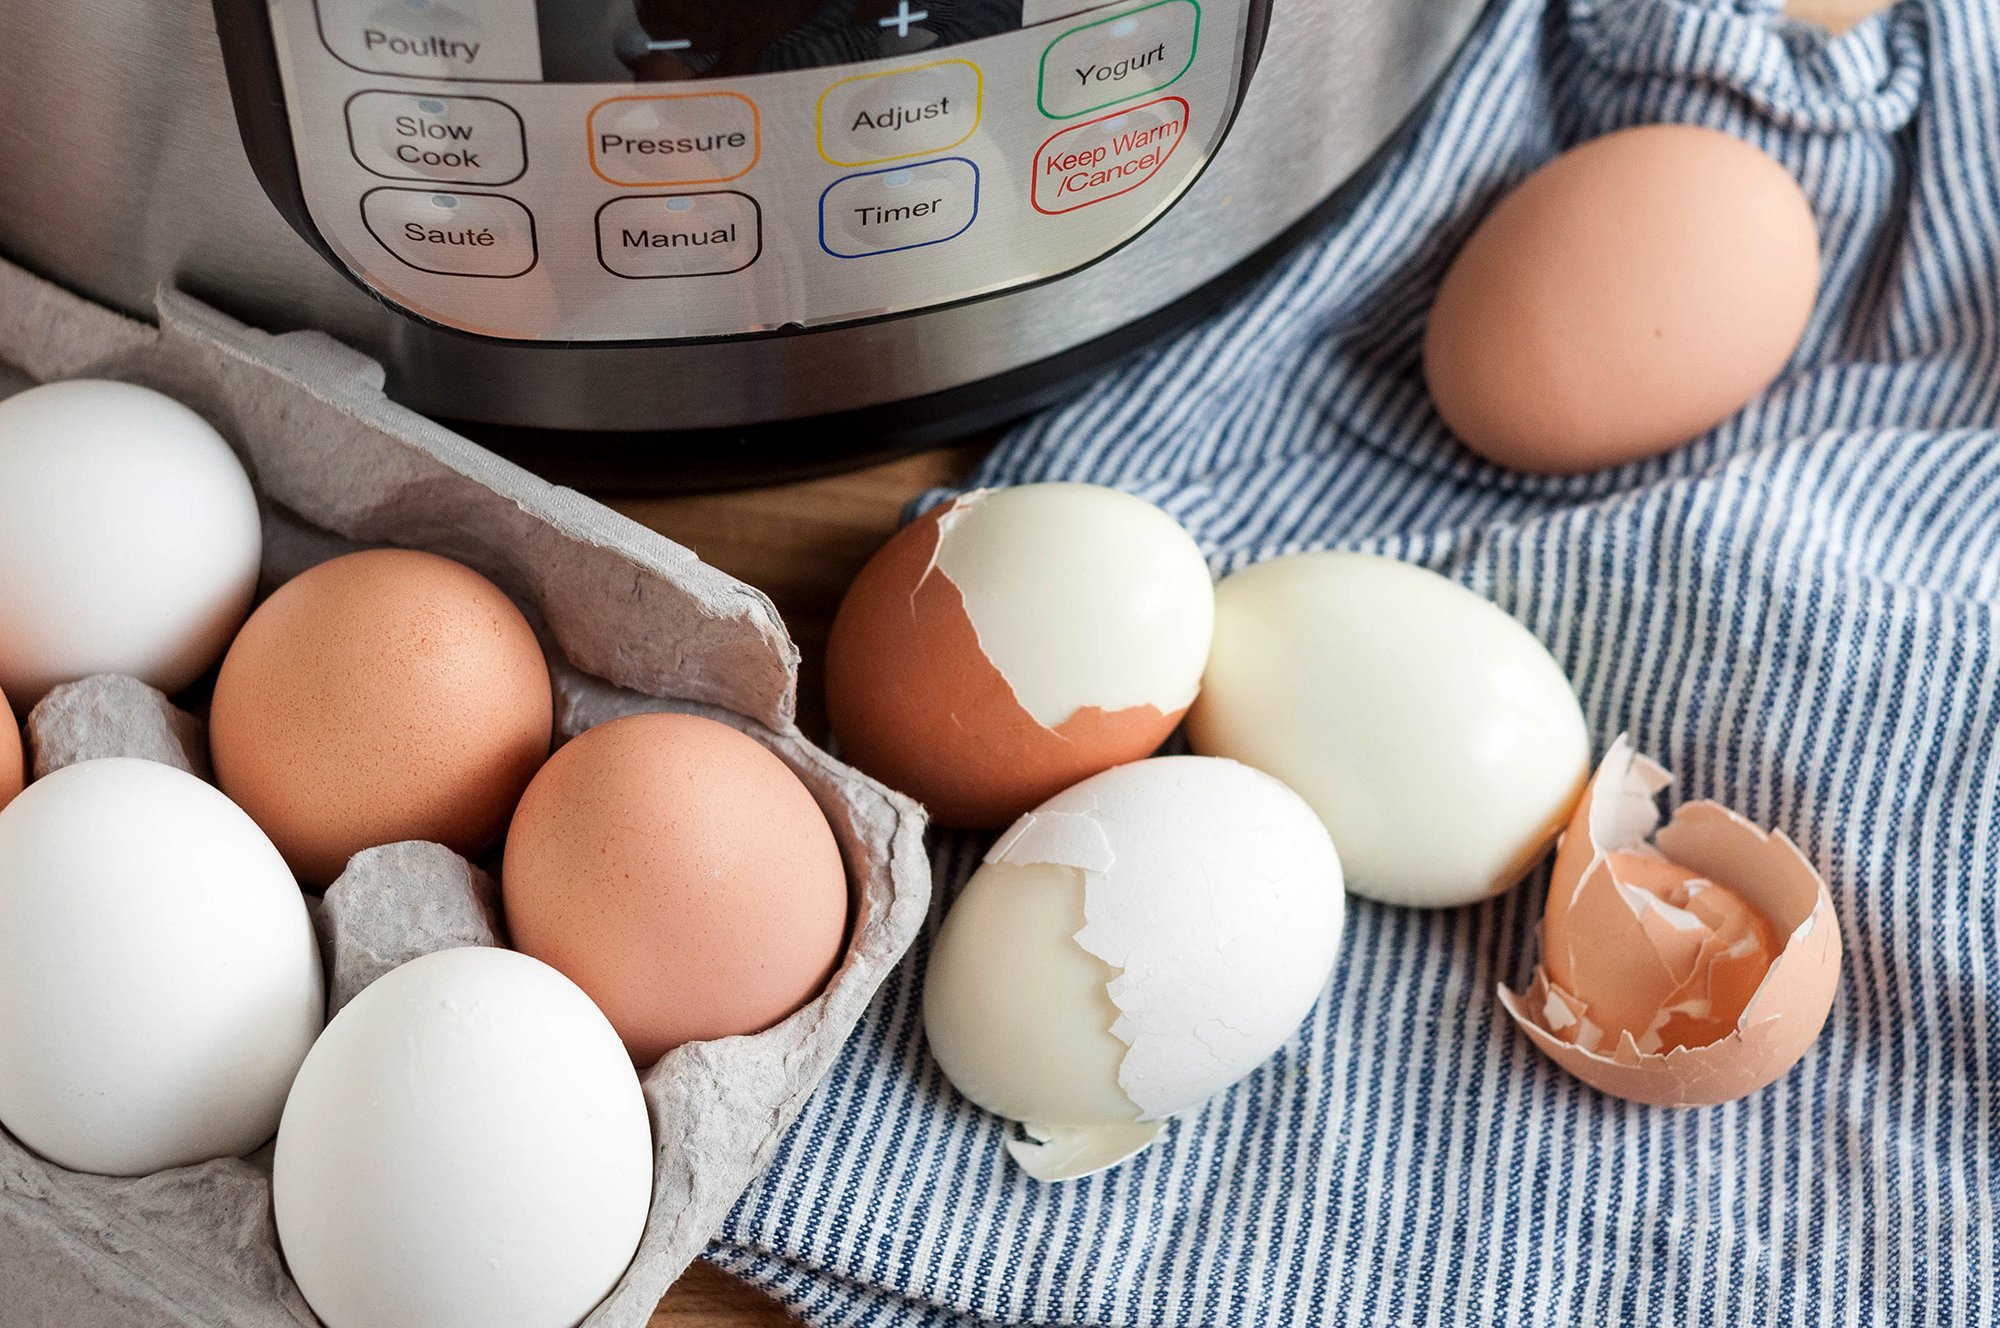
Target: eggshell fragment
(1014, 641)
(1131, 948)
(380, 697)
(1684, 966)
(1633, 293)
(13, 771)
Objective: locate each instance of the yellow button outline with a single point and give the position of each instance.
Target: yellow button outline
(756, 137)
(978, 113)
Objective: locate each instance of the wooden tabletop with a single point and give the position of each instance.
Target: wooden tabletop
(802, 544)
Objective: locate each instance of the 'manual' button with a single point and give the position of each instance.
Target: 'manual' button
(458, 235)
(1117, 59)
(679, 235)
(873, 118)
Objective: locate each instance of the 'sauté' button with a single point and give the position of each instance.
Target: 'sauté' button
(459, 235)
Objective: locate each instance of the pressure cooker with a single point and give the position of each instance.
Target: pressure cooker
(700, 237)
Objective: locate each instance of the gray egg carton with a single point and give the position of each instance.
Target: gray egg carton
(630, 622)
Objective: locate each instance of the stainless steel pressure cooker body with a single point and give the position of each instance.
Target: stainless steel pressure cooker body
(763, 235)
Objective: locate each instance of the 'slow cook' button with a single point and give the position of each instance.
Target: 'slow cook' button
(680, 235)
(455, 140)
(459, 235)
(903, 207)
(676, 138)
(1117, 59)
(873, 118)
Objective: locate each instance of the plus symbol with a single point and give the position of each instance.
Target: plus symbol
(904, 17)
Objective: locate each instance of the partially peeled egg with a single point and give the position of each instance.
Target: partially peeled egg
(1681, 966)
(1129, 949)
(1014, 641)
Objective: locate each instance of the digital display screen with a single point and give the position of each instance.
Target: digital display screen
(664, 41)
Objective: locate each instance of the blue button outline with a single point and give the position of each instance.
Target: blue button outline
(891, 170)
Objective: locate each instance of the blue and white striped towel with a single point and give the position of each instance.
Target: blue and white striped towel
(1797, 614)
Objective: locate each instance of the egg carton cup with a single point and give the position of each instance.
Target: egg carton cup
(630, 622)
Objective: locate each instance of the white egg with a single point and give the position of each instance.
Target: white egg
(159, 980)
(467, 1145)
(1131, 948)
(129, 539)
(1435, 736)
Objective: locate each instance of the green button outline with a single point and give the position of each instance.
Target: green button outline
(1042, 87)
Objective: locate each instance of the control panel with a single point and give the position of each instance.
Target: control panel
(653, 170)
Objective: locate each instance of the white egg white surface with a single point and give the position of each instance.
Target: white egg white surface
(129, 538)
(467, 1145)
(1435, 735)
(1131, 948)
(1081, 595)
(159, 979)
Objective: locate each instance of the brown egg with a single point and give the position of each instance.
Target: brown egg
(13, 766)
(1016, 641)
(679, 873)
(379, 697)
(1629, 296)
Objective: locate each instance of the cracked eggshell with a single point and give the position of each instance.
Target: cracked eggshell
(1131, 948)
(1649, 985)
(1014, 641)
(1434, 734)
(13, 766)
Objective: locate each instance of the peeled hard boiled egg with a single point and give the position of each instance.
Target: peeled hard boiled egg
(1131, 948)
(680, 873)
(129, 538)
(159, 979)
(1434, 735)
(1633, 293)
(384, 696)
(467, 1145)
(1014, 641)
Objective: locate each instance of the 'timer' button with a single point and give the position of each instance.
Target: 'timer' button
(430, 39)
(903, 207)
(454, 140)
(873, 118)
(458, 235)
(680, 235)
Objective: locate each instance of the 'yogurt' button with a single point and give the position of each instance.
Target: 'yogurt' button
(459, 235)
(680, 235)
(873, 118)
(500, 39)
(455, 140)
(904, 207)
(1116, 59)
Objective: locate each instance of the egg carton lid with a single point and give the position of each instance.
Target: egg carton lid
(630, 621)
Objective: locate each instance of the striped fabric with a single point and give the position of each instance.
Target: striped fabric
(1797, 614)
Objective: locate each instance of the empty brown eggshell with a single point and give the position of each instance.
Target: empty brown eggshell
(916, 702)
(1597, 920)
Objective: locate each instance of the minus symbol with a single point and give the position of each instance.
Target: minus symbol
(677, 44)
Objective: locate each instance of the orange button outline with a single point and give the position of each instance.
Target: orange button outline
(978, 111)
(756, 137)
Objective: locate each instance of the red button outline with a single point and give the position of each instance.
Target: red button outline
(1034, 184)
